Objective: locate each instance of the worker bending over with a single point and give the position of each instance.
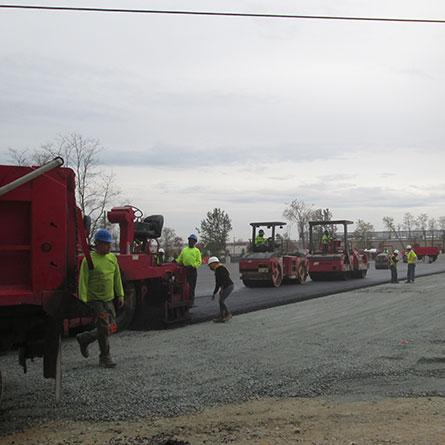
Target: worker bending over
(224, 285)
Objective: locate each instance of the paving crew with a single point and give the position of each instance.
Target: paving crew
(98, 286)
(411, 259)
(190, 258)
(224, 285)
(393, 260)
(260, 241)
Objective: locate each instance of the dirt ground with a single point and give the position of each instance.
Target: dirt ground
(265, 421)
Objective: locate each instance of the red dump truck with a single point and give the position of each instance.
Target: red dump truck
(423, 252)
(42, 242)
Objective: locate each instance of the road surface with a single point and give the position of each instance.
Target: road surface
(245, 300)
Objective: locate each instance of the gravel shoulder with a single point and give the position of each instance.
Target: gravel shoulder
(365, 366)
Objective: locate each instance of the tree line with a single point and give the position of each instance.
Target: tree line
(96, 192)
(421, 223)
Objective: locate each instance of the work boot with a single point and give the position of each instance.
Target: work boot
(218, 320)
(227, 317)
(408, 281)
(106, 362)
(83, 345)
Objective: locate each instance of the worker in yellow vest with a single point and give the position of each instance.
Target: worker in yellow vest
(98, 287)
(190, 258)
(325, 242)
(260, 241)
(411, 258)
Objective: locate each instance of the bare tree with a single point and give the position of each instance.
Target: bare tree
(170, 241)
(363, 233)
(95, 190)
(301, 213)
(19, 157)
(442, 227)
(408, 223)
(432, 226)
(390, 225)
(323, 215)
(422, 223)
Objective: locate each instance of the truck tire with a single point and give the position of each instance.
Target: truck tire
(277, 274)
(248, 283)
(125, 315)
(302, 273)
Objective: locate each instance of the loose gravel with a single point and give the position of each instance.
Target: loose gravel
(385, 341)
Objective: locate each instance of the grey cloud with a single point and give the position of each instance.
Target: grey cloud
(253, 157)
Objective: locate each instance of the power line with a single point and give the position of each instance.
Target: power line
(221, 14)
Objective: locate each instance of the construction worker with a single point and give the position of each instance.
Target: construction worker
(325, 239)
(161, 256)
(224, 285)
(190, 258)
(393, 266)
(260, 241)
(98, 287)
(411, 258)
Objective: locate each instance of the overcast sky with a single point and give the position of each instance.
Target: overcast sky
(243, 114)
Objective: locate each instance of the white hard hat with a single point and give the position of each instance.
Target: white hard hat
(161, 250)
(409, 246)
(213, 259)
(396, 252)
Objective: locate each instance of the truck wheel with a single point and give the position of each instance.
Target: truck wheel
(302, 273)
(124, 316)
(247, 283)
(347, 275)
(277, 274)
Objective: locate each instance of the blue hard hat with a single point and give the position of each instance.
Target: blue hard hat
(103, 235)
(193, 236)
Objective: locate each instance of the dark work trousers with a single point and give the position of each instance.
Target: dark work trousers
(222, 298)
(105, 320)
(411, 272)
(394, 278)
(192, 276)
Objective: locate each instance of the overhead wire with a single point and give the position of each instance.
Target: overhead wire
(220, 14)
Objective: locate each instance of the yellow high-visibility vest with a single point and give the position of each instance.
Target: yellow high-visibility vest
(411, 256)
